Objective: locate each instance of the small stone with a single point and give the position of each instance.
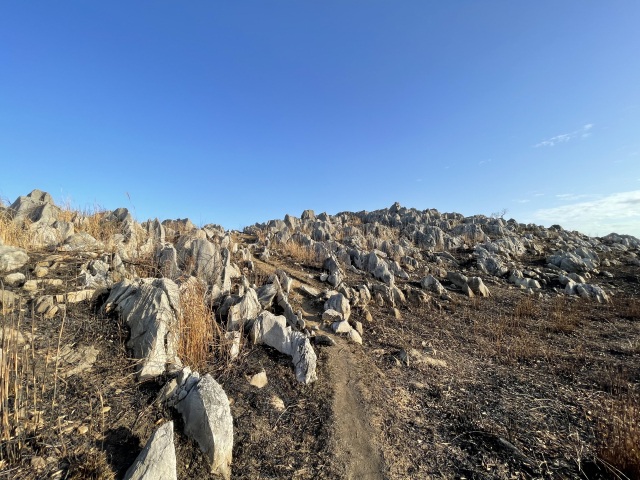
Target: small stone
(324, 340)
(259, 380)
(38, 463)
(354, 337)
(15, 280)
(30, 286)
(277, 403)
(83, 429)
(341, 327)
(40, 272)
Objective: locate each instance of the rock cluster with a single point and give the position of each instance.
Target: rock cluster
(387, 257)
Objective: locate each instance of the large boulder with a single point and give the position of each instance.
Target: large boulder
(157, 461)
(273, 331)
(207, 419)
(151, 308)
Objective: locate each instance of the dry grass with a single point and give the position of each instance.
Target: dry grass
(15, 234)
(299, 253)
(628, 307)
(201, 338)
(620, 437)
(563, 317)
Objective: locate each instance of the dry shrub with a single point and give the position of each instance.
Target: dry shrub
(299, 253)
(620, 437)
(200, 334)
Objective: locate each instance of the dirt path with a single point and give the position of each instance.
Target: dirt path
(353, 432)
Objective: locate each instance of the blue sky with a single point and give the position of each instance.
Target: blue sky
(237, 112)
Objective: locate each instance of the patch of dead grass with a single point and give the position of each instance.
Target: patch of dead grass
(619, 429)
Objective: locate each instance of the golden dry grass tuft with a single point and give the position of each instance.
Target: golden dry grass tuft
(202, 339)
(14, 233)
(620, 437)
(300, 253)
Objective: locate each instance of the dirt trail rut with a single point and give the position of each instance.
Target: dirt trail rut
(353, 433)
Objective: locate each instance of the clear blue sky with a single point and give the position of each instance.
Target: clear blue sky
(237, 112)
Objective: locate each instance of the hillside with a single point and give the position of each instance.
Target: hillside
(389, 344)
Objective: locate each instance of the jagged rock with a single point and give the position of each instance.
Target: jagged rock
(246, 309)
(167, 258)
(12, 258)
(586, 290)
(151, 308)
(397, 295)
(578, 261)
(81, 242)
(157, 461)
(458, 279)
(354, 336)
(517, 279)
(207, 419)
(266, 294)
(339, 303)
(309, 291)
(478, 287)
(37, 207)
(273, 331)
(490, 263)
(432, 284)
(331, 316)
(341, 326)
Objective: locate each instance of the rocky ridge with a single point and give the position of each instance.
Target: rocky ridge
(389, 258)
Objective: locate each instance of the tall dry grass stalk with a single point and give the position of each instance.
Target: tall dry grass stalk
(620, 437)
(198, 330)
(12, 233)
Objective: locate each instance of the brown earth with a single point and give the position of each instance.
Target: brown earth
(504, 387)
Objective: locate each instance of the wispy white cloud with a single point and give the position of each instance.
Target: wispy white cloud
(482, 162)
(583, 132)
(572, 197)
(618, 212)
(523, 201)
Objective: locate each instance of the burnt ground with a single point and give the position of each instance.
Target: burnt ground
(510, 386)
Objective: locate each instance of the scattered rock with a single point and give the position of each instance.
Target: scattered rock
(157, 460)
(15, 279)
(151, 308)
(273, 331)
(12, 258)
(259, 380)
(207, 419)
